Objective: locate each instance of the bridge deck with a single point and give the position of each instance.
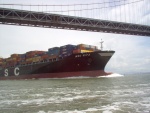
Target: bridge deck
(39, 19)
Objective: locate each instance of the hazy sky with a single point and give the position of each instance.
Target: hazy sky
(132, 52)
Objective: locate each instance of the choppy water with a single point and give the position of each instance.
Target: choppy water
(126, 94)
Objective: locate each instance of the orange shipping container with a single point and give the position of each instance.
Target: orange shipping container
(87, 47)
(31, 53)
(76, 51)
(1, 59)
(18, 59)
(40, 52)
(14, 55)
(28, 62)
(81, 46)
(53, 56)
(45, 56)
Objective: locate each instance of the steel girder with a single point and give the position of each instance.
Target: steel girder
(47, 20)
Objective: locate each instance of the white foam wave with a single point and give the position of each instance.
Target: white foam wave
(77, 77)
(88, 110)
(73, 77)
(112, 75)
(43, 101)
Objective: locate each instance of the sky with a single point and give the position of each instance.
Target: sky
(132, 53)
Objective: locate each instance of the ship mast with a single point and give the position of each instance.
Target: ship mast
(101, 44)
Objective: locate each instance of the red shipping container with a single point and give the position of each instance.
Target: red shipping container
(76, 51)
(46, 56)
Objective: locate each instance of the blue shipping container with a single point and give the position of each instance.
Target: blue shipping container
(54, 51)
(67, 48)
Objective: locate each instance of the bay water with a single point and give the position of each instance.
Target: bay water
(114, 94)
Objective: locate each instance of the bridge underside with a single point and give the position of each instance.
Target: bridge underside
(47, 20)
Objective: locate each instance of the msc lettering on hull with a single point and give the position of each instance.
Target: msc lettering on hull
(6, 72)
(16, 72)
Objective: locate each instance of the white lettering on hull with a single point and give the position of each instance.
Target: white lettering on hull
(6, 72)
(16, 71)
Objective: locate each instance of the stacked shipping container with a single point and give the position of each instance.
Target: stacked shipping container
(54, 51)
(1, 62)
(34, 56)
(66, 50)
(51, 54)
(83, 48)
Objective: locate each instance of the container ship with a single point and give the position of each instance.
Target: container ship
(58, 62)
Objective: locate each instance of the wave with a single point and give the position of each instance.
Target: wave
(82, 77)
(89, 110)
(77, 77)
(111, 75)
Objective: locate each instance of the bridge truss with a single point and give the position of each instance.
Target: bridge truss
(47, 20)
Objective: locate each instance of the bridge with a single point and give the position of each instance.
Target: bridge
(12, 16)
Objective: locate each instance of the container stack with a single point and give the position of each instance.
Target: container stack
(83, 48)
(14, 59)
(40, 56)
(27, 58)
(86, 47)
(22, 58)
(34, 56)
(30, 54)
(66, 50)
(43, 57)
(53, 52)
(1, 61)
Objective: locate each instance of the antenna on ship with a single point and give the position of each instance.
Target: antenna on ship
(101, 44)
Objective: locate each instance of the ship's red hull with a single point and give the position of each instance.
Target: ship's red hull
(59, 75)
